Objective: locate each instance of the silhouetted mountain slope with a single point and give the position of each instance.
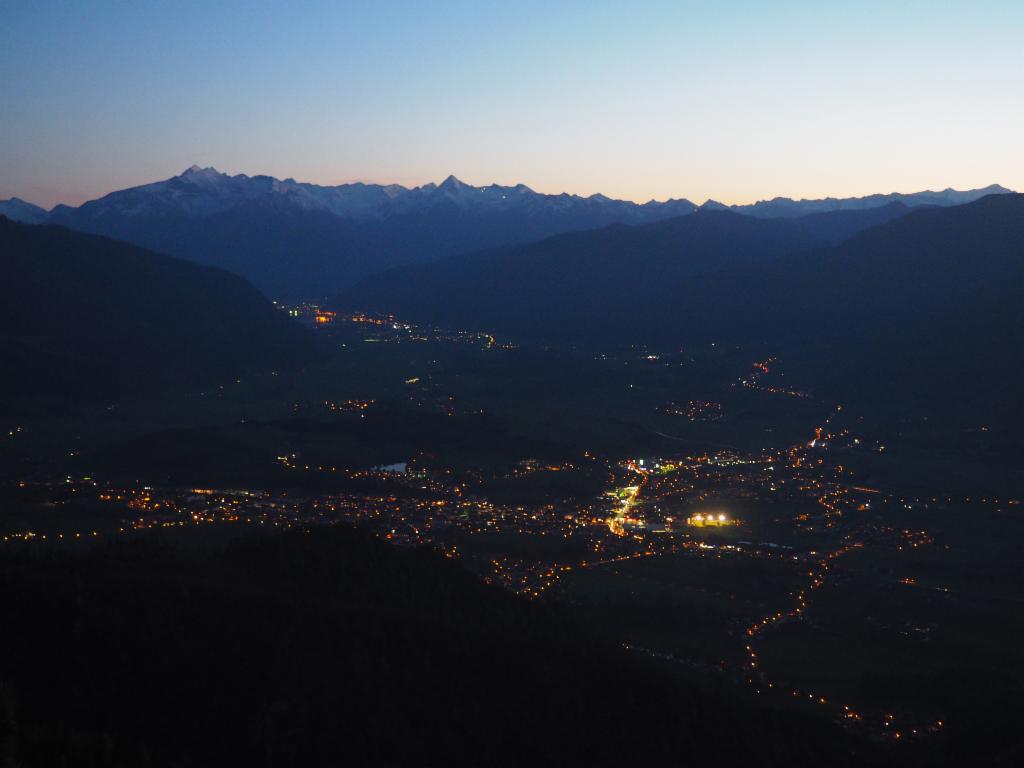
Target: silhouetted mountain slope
(330, 648)
(86, 317)
(18, 210)
(968, 364)
(907, 274)
(579, 284)
(836, 226)
(296, 240)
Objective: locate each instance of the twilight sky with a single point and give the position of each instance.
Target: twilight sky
(735, 101)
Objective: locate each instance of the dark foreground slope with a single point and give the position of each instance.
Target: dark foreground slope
(85, 317)
(330, 648)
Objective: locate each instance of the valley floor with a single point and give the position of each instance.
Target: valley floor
(699, 513)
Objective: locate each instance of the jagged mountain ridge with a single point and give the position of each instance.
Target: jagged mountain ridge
(201, 192)
(296, 240)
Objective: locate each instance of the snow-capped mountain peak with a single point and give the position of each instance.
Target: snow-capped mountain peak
(195, 170)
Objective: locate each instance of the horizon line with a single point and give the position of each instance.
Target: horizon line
(410, 185)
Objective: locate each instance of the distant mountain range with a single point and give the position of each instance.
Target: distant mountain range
(784, 207)
(296, 240)
(86, 318)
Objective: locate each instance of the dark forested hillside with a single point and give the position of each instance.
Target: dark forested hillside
(84, 316)
(330, 648)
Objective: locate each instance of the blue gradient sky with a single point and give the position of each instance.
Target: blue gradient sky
(731, 100)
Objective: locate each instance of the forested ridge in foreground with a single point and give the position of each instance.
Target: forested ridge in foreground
(331, 648)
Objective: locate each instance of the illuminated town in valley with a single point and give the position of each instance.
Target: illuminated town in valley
(769, 547)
